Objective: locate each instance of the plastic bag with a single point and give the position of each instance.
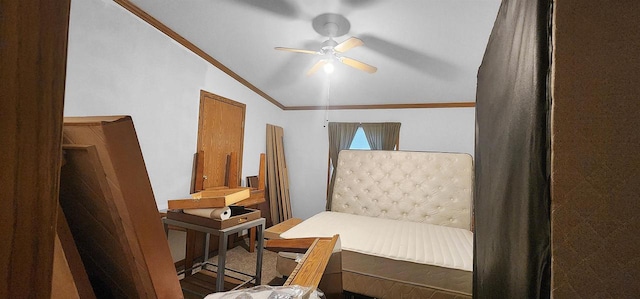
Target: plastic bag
(269, 292)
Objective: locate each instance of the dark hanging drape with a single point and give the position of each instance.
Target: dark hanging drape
(340, 137)
(382, 136)
(512, 221)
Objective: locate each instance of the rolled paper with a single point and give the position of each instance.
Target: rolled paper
(219, 213)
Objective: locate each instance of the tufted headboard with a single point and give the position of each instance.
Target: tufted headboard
(415, 186)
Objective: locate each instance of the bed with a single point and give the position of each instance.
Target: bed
(404, 220)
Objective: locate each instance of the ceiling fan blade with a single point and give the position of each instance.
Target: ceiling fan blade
(348, 44)
(412, 58)
(317, 66)
(297, 50)
(359, 65)
(278, 7)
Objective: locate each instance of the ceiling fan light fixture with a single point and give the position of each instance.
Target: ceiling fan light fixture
(329, 67)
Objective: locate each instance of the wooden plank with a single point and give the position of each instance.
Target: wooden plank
(227, 170)
(238, 217)
(232, 174)
(283, 175)
(262, 172)
(298, 245)
(271, 175)
(282, 209)
(257, 197)
(227, 192)
(119, 151)
(62, 284)
(73, 256)
(208, 202)
(33, 39)
(189, 254)
(70, 279)
(189, 287)
(309, 272)
(275, 231)
(203, 283)
(198, 178)
(98, 231)
(207, 277)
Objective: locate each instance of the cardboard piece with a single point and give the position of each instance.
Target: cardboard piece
(134, 207)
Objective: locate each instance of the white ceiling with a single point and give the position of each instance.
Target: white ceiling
(426, 51)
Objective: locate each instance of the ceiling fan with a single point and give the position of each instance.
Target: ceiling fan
(333, 25)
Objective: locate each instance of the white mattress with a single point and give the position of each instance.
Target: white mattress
(416, 242)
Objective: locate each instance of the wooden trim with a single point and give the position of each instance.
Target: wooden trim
(386, 106)
(189, 45)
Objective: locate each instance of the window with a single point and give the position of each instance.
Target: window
(360, 141)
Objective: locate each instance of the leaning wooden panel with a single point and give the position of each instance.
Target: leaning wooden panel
(97, 228)
(220, 132)
(62, 284)
(33, 39)
(70, 278)
(119, 151)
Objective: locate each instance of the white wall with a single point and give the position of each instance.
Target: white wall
(118, 64)
(306, 142)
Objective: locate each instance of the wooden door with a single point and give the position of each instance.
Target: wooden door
(220, 132)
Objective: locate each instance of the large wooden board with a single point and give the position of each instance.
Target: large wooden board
(117, 146)
(99, 232)
(33, 51)
(220, 133)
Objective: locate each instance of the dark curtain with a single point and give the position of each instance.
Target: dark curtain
(340, 137)
(512, 220)
(382, 136)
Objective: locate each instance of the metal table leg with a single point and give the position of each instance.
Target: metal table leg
(222, 256)
(259, 257)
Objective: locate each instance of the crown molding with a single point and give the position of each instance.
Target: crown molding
(385, 106)
(193, 48)
(134, 9)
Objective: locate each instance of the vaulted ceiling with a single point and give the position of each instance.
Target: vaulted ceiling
(425, 51)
